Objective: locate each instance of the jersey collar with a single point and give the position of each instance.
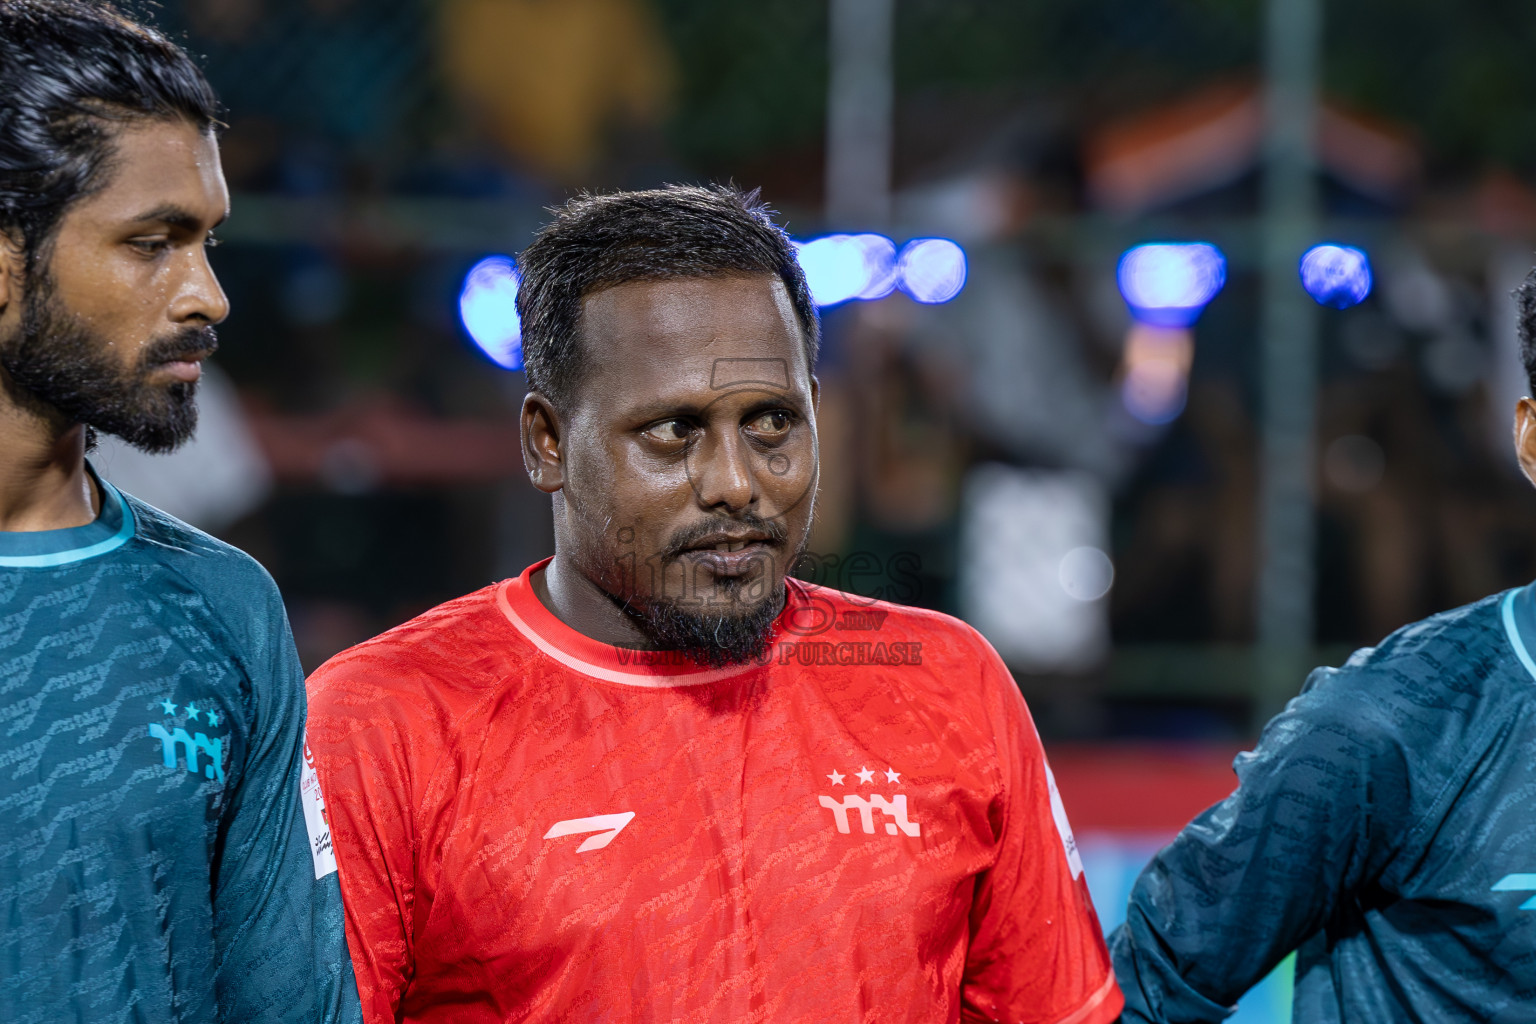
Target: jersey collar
(42, 549)
(1519, 614)
(576, 651)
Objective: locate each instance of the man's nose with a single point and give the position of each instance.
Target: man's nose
(200, 298)
(723, 473)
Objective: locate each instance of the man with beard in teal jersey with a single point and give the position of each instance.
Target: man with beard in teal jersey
(165, 855)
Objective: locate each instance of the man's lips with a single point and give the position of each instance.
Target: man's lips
(188, 369)
(730, 554)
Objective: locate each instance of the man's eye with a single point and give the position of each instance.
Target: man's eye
(670, 431)
(149, 246)
(771, 423)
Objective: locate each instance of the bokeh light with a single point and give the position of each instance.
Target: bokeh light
(867, 266)
(1338, 276)
(834, 268)
(1170, 284)
(1086, 573)
(488, 309)
(931, 270)
(1155, 372)
(878, 254)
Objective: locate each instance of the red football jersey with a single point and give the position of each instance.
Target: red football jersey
(531, 825)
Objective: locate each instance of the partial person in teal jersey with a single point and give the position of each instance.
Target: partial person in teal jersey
(1384, 829)
(164, 852)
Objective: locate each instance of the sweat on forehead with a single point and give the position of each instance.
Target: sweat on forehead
(597, 242)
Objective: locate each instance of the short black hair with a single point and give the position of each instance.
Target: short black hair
(72, 73)
(1525, 309)
(598, 241)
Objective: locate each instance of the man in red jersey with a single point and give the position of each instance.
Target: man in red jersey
(653, 779)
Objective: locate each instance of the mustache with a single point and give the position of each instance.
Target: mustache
(180, 344)
(687, 537)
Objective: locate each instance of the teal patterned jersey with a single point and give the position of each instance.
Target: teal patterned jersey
(164, 854)
(1384, 829)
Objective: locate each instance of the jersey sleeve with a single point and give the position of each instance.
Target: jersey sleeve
(1037, 953)
(278, 925)
(1319, 805)
(359, 738)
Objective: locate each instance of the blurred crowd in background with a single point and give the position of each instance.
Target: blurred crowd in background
(996, 456)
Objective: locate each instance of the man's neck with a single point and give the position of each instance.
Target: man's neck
(584, 606)
(43, 481)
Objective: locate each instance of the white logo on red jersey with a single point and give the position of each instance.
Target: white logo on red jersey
(316, 821)
(894, 808)
(609, 825)
(1063, 829)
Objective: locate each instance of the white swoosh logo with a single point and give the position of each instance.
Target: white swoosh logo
(608, 825)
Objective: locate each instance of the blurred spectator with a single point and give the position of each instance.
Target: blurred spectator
(338, 75)
(549, 80)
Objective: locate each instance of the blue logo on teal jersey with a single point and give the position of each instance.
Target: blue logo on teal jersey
(1518, 883)
(191, 745)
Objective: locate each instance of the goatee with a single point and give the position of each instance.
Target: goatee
(732, 625)
(714, 639)
(54, 360)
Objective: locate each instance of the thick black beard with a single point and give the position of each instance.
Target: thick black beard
(731, 629)
(714, 639)
(56, 361)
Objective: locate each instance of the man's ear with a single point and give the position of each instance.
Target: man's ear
(541, 433)
(12, 266)
(1525, 437)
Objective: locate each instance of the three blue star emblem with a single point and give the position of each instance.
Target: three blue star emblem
(193, 712)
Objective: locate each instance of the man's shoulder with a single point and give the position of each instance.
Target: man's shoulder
(939, 660)
(1435, 685)
(190, 551)
(841, 615)
(411, 687)
(1455, 657)
(235, 586)
(457, 641)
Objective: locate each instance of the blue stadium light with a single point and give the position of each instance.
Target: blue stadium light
(488, 309)
(867, 266)
(931, 270)
(879, 256)
(1338, 276)
(834, 268)
(1170, 284)
(842, 267)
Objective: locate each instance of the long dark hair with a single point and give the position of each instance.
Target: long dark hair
(72, 72)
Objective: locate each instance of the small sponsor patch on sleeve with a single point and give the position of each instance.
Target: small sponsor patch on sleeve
(315, 819)
(1063, 828)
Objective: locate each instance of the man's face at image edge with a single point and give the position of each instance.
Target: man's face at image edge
(690, 457)
(112, 327)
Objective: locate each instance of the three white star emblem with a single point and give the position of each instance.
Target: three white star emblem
(866, 775)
